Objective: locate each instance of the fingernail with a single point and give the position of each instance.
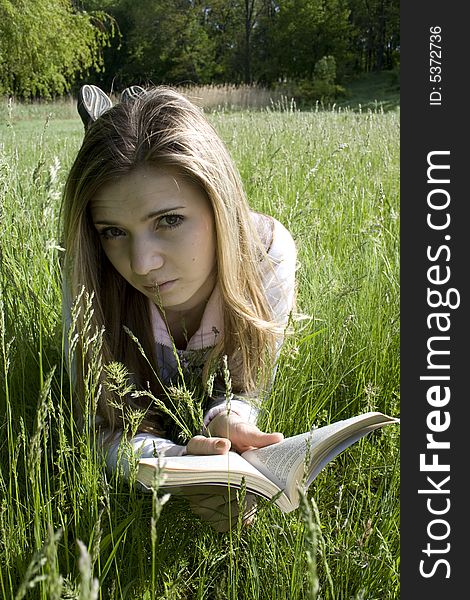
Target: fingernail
(220, 445)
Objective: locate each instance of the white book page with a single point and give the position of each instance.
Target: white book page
(221, 469)
(285, 463)
(279, 460)
(198, 468)
(214, 463)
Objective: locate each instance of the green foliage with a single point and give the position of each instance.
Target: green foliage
(116, 43)
(307, 30)
(160, 42)
(165, 42)
(322, 88)
(247, 41)
(375, 39)
(46, 44)
(325, 70)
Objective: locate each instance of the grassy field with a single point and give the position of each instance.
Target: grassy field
(68, 529)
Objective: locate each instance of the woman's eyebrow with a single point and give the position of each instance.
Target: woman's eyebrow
(152, 215)
(162, 211)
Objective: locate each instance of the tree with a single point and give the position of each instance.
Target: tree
(46, 44)
(375, 38)
(305, 31)
(239, 30)
(196, 41)
(168, 43)
(250, 11)
(161, 41)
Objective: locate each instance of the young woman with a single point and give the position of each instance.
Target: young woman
(158, 231)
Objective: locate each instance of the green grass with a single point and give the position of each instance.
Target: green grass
(373, 90)
(333, 179)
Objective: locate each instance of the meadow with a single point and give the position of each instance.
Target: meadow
(68, 529)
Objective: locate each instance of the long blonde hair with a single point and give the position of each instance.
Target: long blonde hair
(163, 128)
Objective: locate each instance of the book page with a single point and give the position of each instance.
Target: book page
(193, 468)
(217, 469)
(329, 441)
(214, 463)
(285, 462)
(279, 460)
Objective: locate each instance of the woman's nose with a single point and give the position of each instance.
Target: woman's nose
(146, 256)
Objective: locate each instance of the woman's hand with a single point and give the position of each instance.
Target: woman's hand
(216, 504)
(242, 435)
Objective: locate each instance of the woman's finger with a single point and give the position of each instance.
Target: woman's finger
(202, 445)
(245, 436)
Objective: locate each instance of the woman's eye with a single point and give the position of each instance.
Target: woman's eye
(111, 233)
(171, 221)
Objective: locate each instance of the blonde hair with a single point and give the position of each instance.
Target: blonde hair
(163, 128)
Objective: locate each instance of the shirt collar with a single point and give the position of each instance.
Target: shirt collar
(208, 333)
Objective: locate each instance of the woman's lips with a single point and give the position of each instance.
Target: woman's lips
(158, 288)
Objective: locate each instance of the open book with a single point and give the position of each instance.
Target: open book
(274, 470)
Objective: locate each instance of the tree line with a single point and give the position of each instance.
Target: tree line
(47, 47)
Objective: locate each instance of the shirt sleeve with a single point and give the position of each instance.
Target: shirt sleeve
(239, 406)
(143, 445)
(279, 274)
(278, 279)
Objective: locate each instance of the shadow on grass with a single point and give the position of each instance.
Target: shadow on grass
(377, 90)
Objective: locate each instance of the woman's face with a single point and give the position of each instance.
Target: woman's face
(157, 230)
